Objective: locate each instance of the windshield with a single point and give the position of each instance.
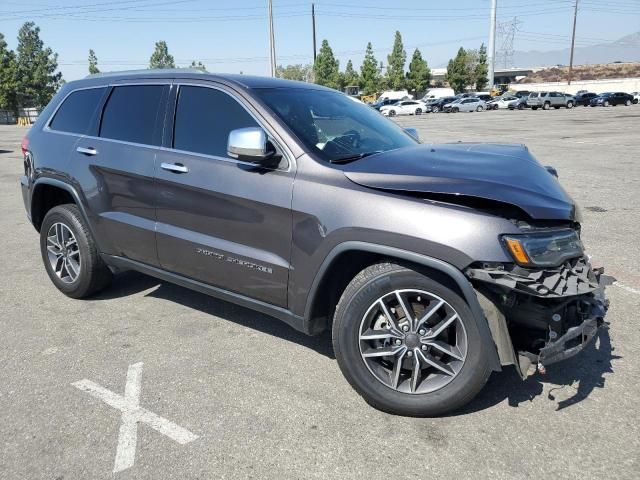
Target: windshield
(331, 125)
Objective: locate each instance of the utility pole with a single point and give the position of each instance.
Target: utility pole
(573, 42)
(272, 46)
(313, 22)
(492, 42)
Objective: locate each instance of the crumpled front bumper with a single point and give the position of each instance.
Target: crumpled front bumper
(565, 305)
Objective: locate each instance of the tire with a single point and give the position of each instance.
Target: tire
(92, 274)
(534, 108)
(569, 104)
(480, 108)
(520, 106)
(455, 110)
(432, 394)
(495, 107)
(435, 109)
(627, 103)
(418, 111)
(606, 103)
(392, 113)
(546, 106)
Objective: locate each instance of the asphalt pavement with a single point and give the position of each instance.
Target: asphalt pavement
(229, 393)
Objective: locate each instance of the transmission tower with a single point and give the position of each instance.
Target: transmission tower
(506, 36)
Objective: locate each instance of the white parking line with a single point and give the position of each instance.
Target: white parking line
(627, 288)
(132, 413)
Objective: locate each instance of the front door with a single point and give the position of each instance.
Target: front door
(220, 221)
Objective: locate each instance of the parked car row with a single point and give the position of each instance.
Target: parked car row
(512, 101)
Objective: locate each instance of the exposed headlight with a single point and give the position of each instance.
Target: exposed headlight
(547, 249)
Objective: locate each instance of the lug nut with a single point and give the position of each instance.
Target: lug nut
(405, 328)
(424, 347)
(398, 342)
(409, 353)
(422, 331)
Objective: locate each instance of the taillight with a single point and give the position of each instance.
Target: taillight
(24, 146)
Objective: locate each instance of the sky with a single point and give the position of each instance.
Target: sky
(232, 36)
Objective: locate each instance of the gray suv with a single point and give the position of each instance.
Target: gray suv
(546, 100)
(432, 265)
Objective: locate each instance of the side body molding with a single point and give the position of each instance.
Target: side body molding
(456, 275)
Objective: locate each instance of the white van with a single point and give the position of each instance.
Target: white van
(394, 95)
(436, 93)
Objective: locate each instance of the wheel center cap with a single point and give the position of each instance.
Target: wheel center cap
(412, 340)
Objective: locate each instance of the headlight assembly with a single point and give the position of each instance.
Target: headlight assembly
(547, 249)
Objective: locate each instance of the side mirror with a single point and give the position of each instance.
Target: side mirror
(551, 170)
(249, 145)
(413, 132)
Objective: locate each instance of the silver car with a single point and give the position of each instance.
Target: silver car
(470, 104)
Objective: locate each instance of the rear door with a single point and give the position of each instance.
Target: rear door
(116, 169)
(221, 221)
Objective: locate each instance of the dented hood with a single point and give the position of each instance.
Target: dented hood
(500, 172)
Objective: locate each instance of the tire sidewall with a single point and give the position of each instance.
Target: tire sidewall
(65, 216)
(346, 344)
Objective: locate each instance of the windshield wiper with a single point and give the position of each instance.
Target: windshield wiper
(351, 158)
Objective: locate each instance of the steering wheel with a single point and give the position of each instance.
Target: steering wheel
(353, 137)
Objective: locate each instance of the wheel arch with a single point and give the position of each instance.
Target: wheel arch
(349, 258)
(51, 192)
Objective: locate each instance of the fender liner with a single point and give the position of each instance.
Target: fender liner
(454, 273)
(76, 197)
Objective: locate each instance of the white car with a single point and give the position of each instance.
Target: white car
(501, 102)
(469, 104)
(404, 107)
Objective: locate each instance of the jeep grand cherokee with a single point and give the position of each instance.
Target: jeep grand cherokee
(433, 265)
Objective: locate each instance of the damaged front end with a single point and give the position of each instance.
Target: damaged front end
(540, 315)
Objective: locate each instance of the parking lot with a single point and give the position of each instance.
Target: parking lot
(263, 401)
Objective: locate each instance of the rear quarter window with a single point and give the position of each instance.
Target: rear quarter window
(77, 111)
(131, 112)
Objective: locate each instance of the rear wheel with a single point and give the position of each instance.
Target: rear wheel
(480, 108)
(606, 103)
(520, 106)
(407, 344)
(546, 106)
(534, 108)
(70, 255)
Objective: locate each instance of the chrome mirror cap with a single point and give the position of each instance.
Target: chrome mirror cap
(413, 132)
(247, 144)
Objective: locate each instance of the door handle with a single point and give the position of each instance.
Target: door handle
(87, 151)
(174, 167)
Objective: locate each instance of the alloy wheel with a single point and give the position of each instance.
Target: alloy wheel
(412, 341)
(63, 252)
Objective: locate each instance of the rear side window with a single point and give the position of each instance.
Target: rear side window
(204, 118)
(76, 112)
(130, 113)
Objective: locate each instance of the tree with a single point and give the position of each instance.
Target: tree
(327, 67)
(8, 77)
(198, 66)
(458, 72)
(481, 69)
(395, 67)
(160, 58)
(369, 73)
(301, 73)
(350, 76)
(419, 75)
(37, 79)
(93, 63)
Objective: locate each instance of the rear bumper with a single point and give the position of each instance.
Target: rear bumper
(26, 197)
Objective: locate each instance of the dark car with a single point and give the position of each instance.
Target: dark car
(585, 98)
(484, 97)
(437, 105)
(429, 264)
(381, 103)
(519, 103)
(611, 98)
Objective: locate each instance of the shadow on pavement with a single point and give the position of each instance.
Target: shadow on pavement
(130, 283)
(579, 375)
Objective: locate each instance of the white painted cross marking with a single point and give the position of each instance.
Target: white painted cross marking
(132, 413)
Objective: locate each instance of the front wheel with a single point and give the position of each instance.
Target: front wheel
(435, 109)
(606, 103)
(418, 111)
(408, 344)
(455, 110)
(70, 255)
(520, 106)
(392, 113)
(627, 103)
(569, 104)
(546, 106)
(534, 108)
(480, 108)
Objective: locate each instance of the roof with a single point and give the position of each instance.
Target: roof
(246, 81)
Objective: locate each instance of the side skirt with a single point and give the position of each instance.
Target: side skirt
(280, 313)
